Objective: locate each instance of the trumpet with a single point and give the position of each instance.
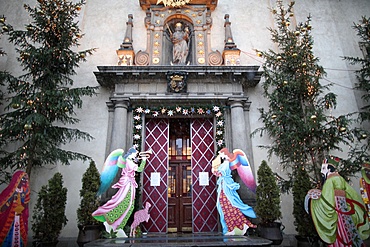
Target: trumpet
(145, 154)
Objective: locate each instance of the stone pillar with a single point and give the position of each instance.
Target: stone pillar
(240, 131)
(238, 134)
(119, 125)
(248, 151)
(110, 106)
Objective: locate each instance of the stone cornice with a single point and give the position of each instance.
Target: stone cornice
(109, 76)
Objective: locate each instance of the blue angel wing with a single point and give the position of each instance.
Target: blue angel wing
(109, 171)
(241, 163)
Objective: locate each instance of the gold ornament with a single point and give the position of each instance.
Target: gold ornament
(15, 106)
(27, 126)
(313, 117)
(173, 3)
(201, 60)
(156, 60)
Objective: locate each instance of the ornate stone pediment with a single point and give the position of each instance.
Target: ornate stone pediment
(210, 4)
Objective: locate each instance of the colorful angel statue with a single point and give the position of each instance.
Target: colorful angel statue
(115, 212)
(233, 211)
(14, 211)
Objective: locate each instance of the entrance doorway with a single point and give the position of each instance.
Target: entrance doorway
(179, 197)
(179, 176)
(183, 150)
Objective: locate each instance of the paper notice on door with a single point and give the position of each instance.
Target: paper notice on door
(155, 179)
(203, 179)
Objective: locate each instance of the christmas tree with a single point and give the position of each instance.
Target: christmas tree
(299, 118)
(363, 77)
(40, 108)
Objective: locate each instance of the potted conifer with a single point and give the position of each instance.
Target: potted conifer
(89, 228)
(49, 216)
(268, 205)
(306, 232)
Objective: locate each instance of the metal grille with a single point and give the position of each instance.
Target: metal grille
(204, 197)
(156, 138)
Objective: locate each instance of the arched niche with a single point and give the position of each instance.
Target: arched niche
(169, 28)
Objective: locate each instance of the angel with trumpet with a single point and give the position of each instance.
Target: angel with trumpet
(115, 212)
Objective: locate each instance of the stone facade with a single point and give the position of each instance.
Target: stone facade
(133, 66)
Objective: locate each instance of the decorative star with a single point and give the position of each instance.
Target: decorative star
(170, 113)
(200, 111)
(185, 112)
(139, 110)
(216, 108)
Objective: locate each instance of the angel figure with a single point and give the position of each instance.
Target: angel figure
(115, 212)
(233, 211)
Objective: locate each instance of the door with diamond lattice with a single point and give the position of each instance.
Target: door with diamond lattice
(199, 153)
(156, 139)
(205, 216)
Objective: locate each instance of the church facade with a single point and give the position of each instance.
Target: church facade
(182, 78)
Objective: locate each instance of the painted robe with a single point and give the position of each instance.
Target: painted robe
(14, 211)
(119, 208)
(339, 214)
(231, 208)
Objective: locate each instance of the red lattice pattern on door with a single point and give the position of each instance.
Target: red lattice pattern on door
(156, 138)
(204, 197)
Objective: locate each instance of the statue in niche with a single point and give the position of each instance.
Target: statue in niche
(180, 39)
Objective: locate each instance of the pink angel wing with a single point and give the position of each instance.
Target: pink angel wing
(109, 171)
(241, 164)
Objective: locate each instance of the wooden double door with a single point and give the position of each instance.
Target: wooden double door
(179, 197)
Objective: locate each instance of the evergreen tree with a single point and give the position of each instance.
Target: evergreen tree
(89, 199)
(267, 195)
(363, 76)
(40, 107)
(302, 220)
(49, 216)
(298, 118)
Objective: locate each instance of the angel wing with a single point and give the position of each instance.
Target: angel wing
(109, 171)
(241, 164)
